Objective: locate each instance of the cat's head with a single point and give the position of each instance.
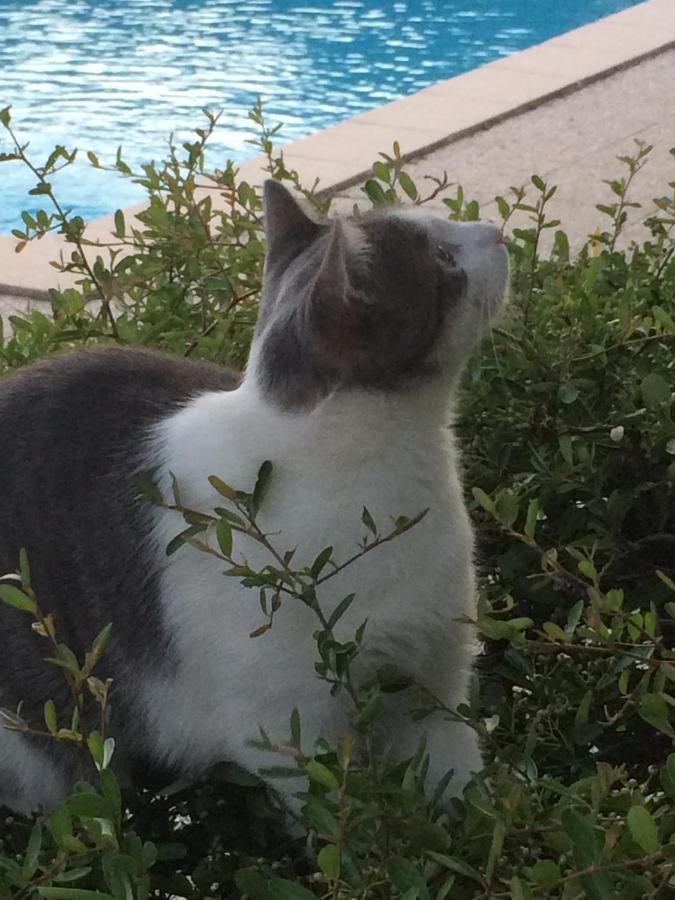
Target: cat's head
(379, 303)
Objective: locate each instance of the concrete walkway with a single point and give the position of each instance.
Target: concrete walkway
(572, 142)
(563, 109)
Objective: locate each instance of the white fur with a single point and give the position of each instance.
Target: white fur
(34, 780)
(392, 453)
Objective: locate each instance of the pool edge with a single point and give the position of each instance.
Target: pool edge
(343, 154)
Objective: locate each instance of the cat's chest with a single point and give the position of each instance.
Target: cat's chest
(322, 479)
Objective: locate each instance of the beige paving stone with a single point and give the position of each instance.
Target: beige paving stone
(353, 142)
(429, 111)
(500, 85)
(572, 142)
(576, 62)
(657, 15)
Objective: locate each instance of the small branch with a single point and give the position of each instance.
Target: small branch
(665, 335)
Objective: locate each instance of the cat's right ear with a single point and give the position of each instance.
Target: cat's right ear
(286, 222)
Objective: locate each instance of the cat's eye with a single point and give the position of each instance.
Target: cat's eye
(444, 253)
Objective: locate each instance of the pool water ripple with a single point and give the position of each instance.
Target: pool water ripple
(131, 72)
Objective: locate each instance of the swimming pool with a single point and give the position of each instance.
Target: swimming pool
(131, 72)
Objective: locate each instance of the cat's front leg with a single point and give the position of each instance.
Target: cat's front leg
(450, 745)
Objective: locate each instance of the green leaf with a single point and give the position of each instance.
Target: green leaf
(111, 791)
(340, 610)
(533, 513)
(5, 116)
(484, 499)
(655, 390)
(457, 865)
(405, 876)
(367, 520)
(146, 486)
(61, 824)
(95, 745)
(224, 537)
(329, 861)
(643, 828)
(566, 450)
(321, 818)
(120, 225)
(581, 716)
(321, 774)
(554, 631)
(545, 873)
(568, 393)
(89, 804)
(44, 187)
(666, 580)
(507, 508)
(583, 833)
(72, 874)
(381, 171)
(253, 884)
(446, 887)
(101, 640)
(30, 860)
(296, 733)
(320, 562)
(71, 893)
(668, 776)
(652, 708)
(573, 617)
(24, 569)
(374, 191)
(183, 537)
(222, 487)
(408, 185)
(520, 890)
(587, 568)
(50, 717)
(282, 889)
(14, 596)
(261, 485)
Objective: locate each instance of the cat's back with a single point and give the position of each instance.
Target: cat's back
(107, 381)
(83, 407)
(74, 434)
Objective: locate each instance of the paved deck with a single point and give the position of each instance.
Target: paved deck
(572, 142)
(563, 109)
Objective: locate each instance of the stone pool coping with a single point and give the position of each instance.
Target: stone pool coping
(343, 154)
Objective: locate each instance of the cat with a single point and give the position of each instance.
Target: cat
(363, 329)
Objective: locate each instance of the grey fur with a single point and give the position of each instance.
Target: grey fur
(73, 437)
(349, 306)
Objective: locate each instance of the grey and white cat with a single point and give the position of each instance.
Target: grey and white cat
(363, 329)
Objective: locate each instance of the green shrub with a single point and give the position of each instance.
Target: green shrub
(567, 425)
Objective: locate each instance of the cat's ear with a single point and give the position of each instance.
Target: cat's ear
(285, 220)
(337, 307)
(343, 257)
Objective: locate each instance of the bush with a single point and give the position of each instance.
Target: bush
(569, 442)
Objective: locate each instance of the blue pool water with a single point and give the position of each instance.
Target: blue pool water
(94, 75)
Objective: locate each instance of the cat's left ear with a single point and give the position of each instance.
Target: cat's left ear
(286, 222)
(338, 309)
